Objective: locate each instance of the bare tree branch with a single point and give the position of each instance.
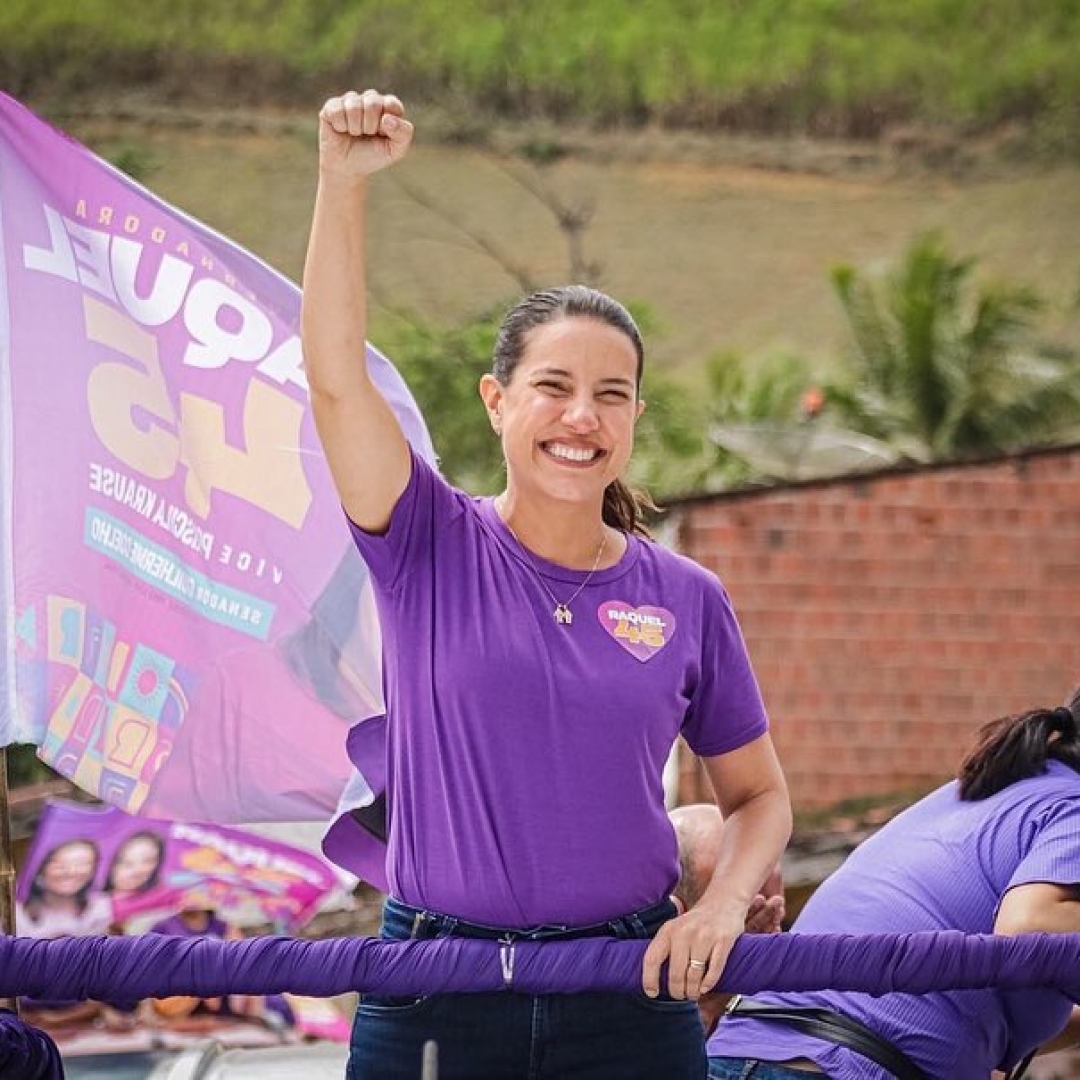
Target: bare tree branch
(480, 241)
(573, 220)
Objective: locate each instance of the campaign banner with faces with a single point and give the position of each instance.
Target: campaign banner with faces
(98, 870)
(188, 630)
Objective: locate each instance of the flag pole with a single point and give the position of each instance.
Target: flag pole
(7, 865)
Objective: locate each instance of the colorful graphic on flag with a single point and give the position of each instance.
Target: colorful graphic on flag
(136, 868)
(188, 631)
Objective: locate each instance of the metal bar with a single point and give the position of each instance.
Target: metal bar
(7, 866)
(429, 1069)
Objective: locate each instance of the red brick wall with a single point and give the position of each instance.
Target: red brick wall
(888, 616)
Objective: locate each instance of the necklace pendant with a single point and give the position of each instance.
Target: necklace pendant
(563, 615)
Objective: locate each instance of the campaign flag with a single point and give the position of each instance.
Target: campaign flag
(137, 869)
(188, 631)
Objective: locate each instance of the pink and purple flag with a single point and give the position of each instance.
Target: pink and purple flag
(137, 868)
(188, 631)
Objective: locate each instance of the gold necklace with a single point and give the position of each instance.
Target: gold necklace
(563, 615)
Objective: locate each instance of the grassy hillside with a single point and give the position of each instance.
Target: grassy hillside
(728, 255)
(836, 67)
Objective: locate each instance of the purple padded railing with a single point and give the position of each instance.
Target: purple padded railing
(157, 965)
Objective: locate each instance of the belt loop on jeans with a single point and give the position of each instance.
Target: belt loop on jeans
(634, 926)
(426, 924)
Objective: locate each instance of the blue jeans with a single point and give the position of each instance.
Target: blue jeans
(725, 1068)
(510, 1036)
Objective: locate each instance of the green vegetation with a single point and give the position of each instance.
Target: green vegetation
(941, 368)
(442, 368)
(24, 767)
(834, 67)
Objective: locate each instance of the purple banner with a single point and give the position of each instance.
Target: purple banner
(188, 631)
(92, 867)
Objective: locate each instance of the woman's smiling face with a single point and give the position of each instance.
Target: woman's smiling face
(69, 869)
(135, 864)
(567, 414)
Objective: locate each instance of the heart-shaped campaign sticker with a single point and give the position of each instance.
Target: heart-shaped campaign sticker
(641, 631)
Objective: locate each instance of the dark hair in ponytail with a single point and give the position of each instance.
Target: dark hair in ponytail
(1017, 747)
(624, 508)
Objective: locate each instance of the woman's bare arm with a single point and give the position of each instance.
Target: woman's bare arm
(359, 134)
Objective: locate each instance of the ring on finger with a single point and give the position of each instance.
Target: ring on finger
(698, 965)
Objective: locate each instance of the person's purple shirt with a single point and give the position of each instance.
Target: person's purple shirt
(175, 925)
(525, 758)
(942, 864)
(27, 1052)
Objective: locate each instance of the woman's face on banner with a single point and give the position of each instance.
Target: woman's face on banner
(69, 869)
(135, 864)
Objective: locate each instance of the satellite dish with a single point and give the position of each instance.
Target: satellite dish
(803, 451)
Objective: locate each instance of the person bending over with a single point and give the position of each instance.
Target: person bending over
(995, 850)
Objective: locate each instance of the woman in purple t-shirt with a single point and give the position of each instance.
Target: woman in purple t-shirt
(995, 851)
(540, 660)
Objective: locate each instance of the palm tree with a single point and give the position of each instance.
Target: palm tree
(942, 368)
(768, 423)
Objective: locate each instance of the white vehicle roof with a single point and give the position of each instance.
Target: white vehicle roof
(312, 1061)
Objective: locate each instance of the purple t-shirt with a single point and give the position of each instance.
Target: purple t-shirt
(176, 927)
(943, 864)
(525, 758)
